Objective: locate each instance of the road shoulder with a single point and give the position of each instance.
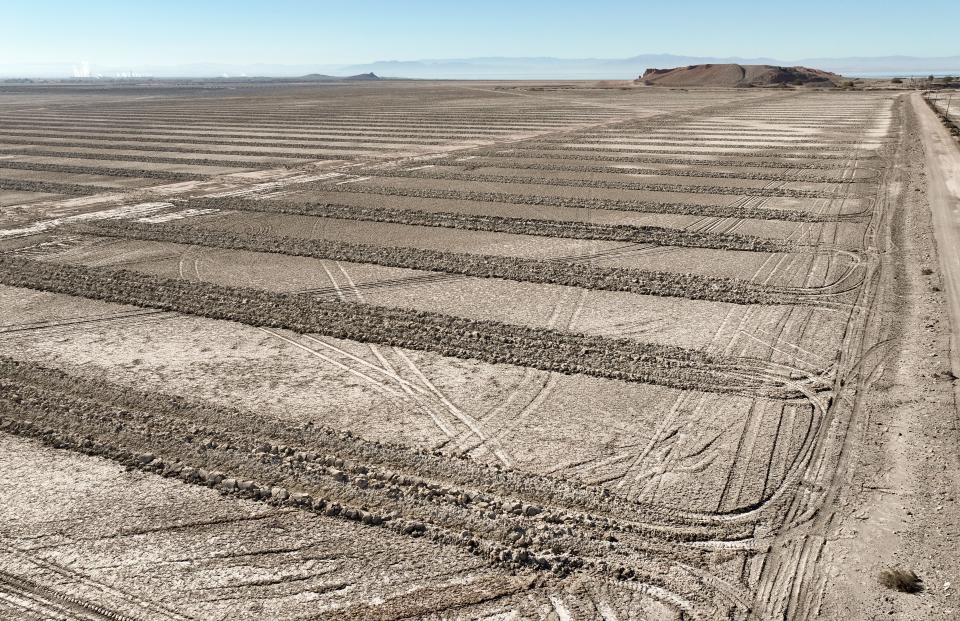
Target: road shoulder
(900, 508)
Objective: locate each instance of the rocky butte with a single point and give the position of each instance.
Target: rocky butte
(734, 75)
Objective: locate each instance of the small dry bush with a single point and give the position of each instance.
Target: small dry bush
(903, 580)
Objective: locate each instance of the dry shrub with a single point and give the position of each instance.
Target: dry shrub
(903, 580)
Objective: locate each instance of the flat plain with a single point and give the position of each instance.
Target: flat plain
(441, 350)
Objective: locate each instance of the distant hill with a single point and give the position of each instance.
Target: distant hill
(735, 75)
(320, 77)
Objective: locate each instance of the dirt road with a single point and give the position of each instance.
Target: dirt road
(943, 192)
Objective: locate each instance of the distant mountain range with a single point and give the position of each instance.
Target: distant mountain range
(494, 67)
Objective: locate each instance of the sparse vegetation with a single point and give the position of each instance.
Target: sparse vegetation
(903, 580)
(950, 122)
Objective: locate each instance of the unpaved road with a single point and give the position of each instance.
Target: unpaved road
(943, 192)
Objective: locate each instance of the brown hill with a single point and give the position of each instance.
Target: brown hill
(732, 75)
(320, 77)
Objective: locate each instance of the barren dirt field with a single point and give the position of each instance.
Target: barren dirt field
(472, 350)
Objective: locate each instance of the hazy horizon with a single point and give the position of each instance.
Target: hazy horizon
(485, 68)
(56, 38)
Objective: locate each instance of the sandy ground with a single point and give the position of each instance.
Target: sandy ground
(403, 478)
(899, 508)
(943, 188)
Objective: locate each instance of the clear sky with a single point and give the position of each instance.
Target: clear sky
(172, 32)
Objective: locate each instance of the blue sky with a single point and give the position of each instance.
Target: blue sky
(171, 32)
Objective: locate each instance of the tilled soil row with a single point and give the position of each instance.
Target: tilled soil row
(142, 158)
(734, 139)
(701, 110)
(517, 111)
(812, 164)
(474, 164)
(607, 185)
(178, 149)
(549, 150)
(203, 141)
(106, 170)
(850, 124)
(545, 122)
(488, 341)
(495, 128)
(687, 209)
(238, 139)
(294, 129)
(711, 133)
(644, 282)
(856, 118)
(356, 457)
(563, 145)
(72, 189)
(185, 134)
(215, 448)
(840, 124)
(500, 224)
